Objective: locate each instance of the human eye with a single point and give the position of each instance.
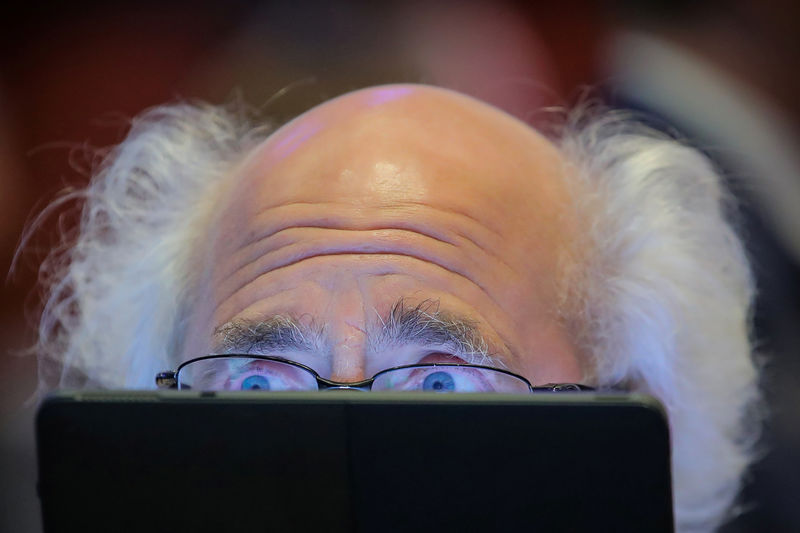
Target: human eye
(441, 374)
(447, 379)
(265, 375)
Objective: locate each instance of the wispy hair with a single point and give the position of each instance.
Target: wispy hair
(659, 299)
(658, 293)
(117, 290)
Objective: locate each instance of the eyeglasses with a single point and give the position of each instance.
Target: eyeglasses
(256, 372)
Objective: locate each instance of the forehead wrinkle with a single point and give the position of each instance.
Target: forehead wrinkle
(356, 216)
(296, 237)
(278, 219)
(296, 244)
(380, 256)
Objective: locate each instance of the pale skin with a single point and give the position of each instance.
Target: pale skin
(393, 192)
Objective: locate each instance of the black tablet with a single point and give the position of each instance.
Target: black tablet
(182, 461)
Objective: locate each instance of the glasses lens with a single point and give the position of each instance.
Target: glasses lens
(244, 373)
(443, 378)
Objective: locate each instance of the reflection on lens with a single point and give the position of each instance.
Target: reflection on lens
(448, 378)
(244, 373)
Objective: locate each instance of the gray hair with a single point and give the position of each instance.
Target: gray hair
(661, 301)
(658, 298)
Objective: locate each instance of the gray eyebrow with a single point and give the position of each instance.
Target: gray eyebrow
(276, 334)
(424, 324)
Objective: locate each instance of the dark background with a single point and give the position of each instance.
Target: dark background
(72, 75)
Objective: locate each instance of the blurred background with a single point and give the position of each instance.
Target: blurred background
(722, 74)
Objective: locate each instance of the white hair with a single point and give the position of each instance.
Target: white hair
(659, 301)
(116, 296)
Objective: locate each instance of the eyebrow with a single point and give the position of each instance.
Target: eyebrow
(274, 335)
(424, 324)
(428, 325)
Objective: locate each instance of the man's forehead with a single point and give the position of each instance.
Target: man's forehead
(416, 191)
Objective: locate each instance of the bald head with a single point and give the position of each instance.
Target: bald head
(395, 193)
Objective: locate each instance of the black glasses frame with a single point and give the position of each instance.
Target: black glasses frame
(169, 379)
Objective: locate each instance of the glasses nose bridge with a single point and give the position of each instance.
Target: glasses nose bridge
(329, 384)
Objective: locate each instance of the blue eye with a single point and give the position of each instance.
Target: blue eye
(439, 382)
(255, 383)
